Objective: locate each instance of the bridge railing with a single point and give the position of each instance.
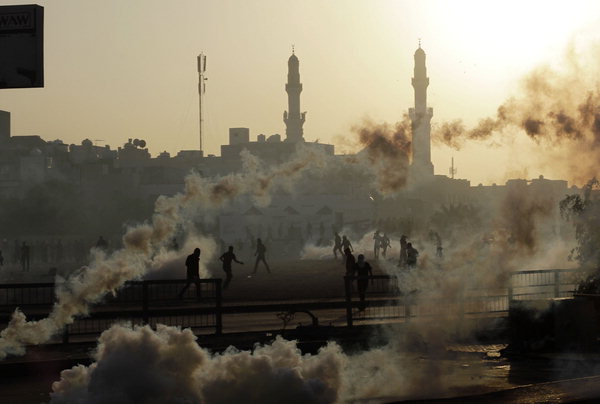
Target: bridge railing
(14, 295)
(544, 283)
(157, 301)
(137, 302)
(385, 301)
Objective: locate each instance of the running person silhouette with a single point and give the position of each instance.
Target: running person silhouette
(337, 245)
(226, 259)
(260, 255)
(192, 264)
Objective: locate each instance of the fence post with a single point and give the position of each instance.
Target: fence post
(65, 336)
(348, 285)
(406, 309)
(218, 311)
(145, 314)
(556, 283)
(511, 290)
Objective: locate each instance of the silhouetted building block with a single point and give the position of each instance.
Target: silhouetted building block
(239, 136)
(21, 46)
(4, 127)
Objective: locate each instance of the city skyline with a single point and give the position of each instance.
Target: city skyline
(130, 71)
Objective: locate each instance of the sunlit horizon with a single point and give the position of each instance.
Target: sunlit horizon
(117, 70)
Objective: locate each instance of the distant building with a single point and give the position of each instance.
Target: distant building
(4, 127)
(321, 202)
(293, 118)
(420, 117)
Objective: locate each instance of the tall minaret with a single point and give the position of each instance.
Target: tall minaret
(293, 118)
(420, 117)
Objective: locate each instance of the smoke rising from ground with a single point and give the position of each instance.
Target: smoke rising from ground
(144, 243)
(555, 108)
(140, 365)
(167, 366)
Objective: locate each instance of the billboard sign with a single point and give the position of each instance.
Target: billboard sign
(21, 46)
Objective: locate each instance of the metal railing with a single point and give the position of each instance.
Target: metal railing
(157, 301)
(384, 300)
(138, 302)
(545, 283)
(14, 295)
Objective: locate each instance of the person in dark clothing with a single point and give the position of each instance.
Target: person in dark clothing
(226, 259)
(192, 263)
(346, 243)
(59, 251)
(402, 251)
(101, 244)
(260, 255)
(411, 255)
(362, 270)
(376, 244)
(350, 261)
(337, 245)
(385, 244)
(25, 256)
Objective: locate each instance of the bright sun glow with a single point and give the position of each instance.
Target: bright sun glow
(528, 30)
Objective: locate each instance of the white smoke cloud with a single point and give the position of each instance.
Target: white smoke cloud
(144, 244)
(167, 366)
(140, 365)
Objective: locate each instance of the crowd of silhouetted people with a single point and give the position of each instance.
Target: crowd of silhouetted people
(47, 252)
(357, 268)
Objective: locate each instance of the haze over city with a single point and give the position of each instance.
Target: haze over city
(117, 70)
(389, 201)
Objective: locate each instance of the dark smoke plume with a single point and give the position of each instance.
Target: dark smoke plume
(519, 217)
(387, 148)
(554, 108)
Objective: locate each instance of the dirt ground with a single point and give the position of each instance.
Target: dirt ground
(288, 280)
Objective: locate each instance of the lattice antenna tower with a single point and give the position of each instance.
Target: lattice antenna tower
(201, 91)
(452, 169)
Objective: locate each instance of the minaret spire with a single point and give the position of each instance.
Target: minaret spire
(294, 120)
(420, 117)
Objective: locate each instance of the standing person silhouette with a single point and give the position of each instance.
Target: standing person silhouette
(337, 245)
(363, 271)
(411, 255)
(350, 261)
(376, 244)
(346, 243)
(260, 255)
(102, 244)
(403, 244)
(385, 244)
(226, 259)
(25, 256)
(192, 263)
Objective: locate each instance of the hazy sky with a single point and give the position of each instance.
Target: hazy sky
(119, 69)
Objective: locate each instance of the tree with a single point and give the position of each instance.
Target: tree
(583, 210)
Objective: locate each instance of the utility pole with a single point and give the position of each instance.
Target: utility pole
(201, 89)
(452, 169)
